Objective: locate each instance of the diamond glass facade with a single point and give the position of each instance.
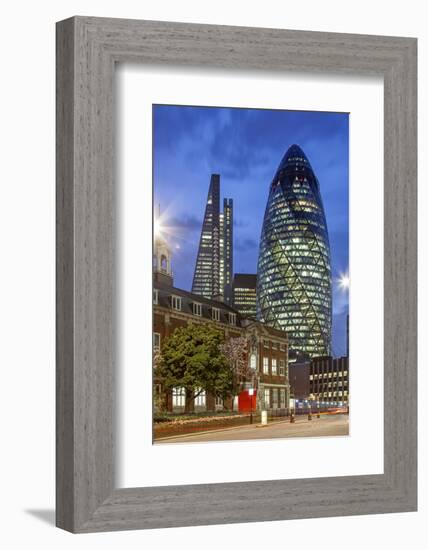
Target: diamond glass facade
(294, 275)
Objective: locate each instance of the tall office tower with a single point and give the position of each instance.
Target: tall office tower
(293, 274)
(226, 250)
(214, 263)
(244, 293)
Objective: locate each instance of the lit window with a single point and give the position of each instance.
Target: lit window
(281, 367)
(216, 314)
(232, 318)
(176, 302)
(197, 309)
(178, 397)
(266, 365)
(253, 361)
(275, 398)
(282, 398)
(156, 341)
(274, 369)
(200, 398)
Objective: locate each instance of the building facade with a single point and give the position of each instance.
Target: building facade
(299, 374)
(226, 250)
(214, 263)
(323, 380)
(329, 380)
(244, 294)
(267, 347)
(294, 290)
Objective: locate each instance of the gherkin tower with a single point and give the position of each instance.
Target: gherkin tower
(294, 273)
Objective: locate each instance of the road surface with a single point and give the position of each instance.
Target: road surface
(327, 425)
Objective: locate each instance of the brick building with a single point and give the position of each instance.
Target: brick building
(267, 347)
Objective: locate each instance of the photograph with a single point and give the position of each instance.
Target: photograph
(250, 274)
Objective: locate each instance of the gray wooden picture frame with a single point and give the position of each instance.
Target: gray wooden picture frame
(87, 50)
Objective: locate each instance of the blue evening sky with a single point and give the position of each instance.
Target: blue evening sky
(245, 147)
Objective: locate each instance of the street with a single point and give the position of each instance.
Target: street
(327, 425)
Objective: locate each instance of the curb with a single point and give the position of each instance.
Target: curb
(179, 436)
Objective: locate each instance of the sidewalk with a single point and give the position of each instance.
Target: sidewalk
(298, 420)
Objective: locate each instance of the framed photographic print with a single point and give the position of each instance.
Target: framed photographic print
(260, 294)
(236, 274)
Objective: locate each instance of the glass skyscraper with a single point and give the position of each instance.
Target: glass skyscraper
(214, 264)
(294, 274)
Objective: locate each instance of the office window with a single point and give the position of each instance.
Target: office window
(265, 365)
(176, 302)
(267, 397)
(274, 369)
(178, 397)
(197, 309)
(216, 314)
(156, 341)
(281, 367)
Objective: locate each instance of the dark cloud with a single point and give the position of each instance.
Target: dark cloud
(246, 245)
(187, 222)
(240, 222)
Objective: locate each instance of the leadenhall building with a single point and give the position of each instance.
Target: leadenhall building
(267, 351)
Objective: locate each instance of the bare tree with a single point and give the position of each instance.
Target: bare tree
(236, 352)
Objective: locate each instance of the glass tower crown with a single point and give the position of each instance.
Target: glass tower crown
(294, 274)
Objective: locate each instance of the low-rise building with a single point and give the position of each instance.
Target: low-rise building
(324, 380)
(329, 380)
(267, 349)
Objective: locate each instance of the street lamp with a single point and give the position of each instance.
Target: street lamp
(293, 411)
(309, 410)
(311, 399)
(251, 393)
